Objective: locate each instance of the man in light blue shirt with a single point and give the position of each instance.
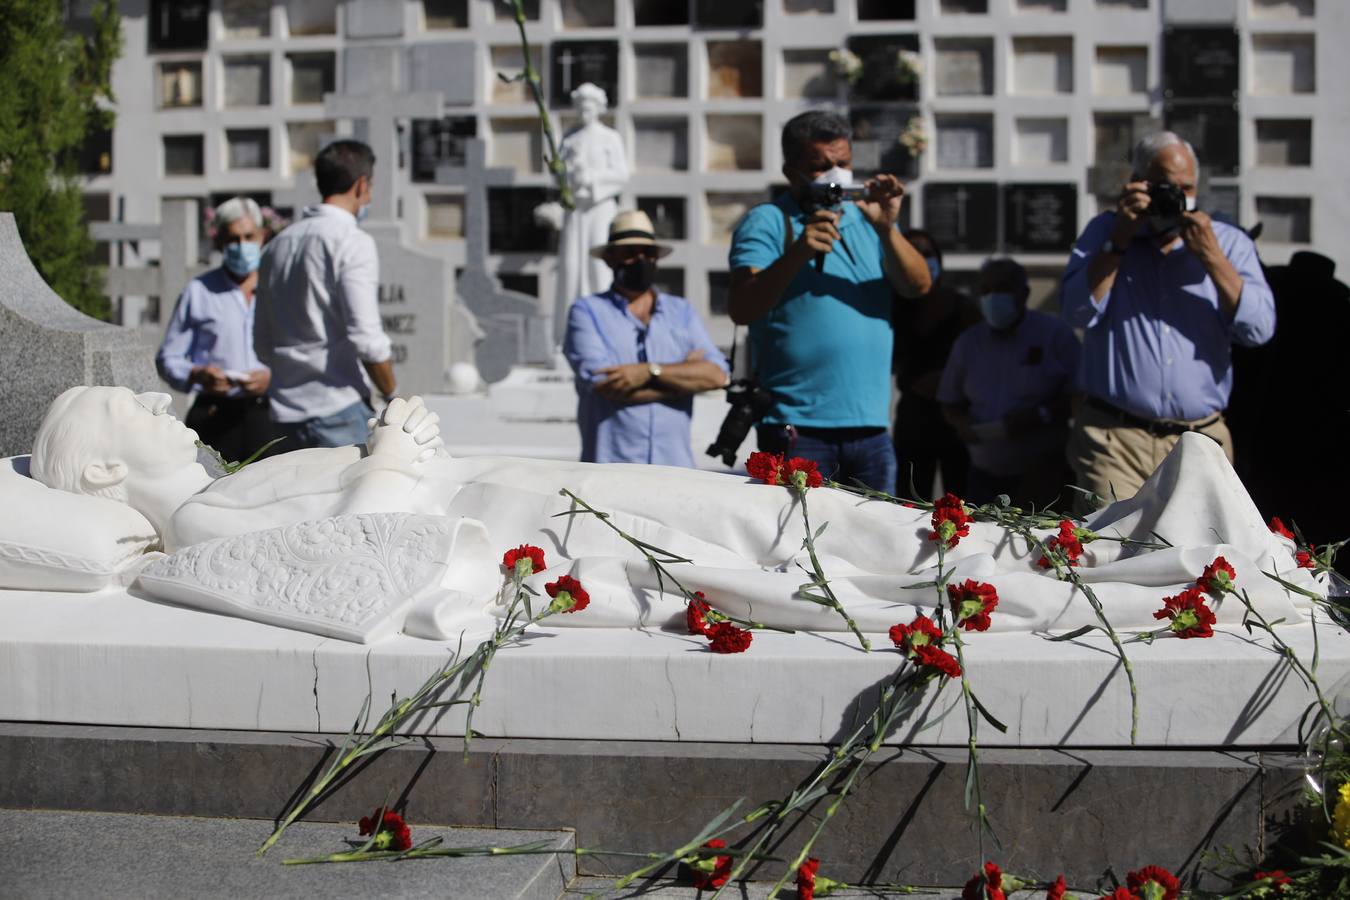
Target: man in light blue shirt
(639, 357)
(1163, 293)
(816, 285)
(208, 345)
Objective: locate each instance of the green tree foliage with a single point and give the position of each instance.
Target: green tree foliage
(56, 87)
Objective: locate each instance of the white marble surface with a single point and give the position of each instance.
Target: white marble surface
(110, 658)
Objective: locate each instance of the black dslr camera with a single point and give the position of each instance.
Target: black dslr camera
(749, 402)
(830, 195)
(1166, 203)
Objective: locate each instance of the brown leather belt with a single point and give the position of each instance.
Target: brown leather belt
(1155, 427)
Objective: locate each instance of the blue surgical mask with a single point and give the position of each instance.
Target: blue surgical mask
(242, 257)
(934, 267)
(363, 213)
(999, 310)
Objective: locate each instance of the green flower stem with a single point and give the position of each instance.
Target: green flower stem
(818, 578)
(1291, 658)
(953, 633)
(972, 745)
(531, 77)
(882, 720)
(663, 573)
(384, 735)
(1063, 572)
(866, 739)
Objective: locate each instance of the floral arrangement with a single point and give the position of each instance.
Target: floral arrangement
(909, 66)
(914, 138)
(846, 65)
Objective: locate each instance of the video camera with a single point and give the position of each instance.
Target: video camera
(749, 402)
(829, 195)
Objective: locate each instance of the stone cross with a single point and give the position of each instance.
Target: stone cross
(514, 331)
(46, 346)
(380, 107)
(177, 235)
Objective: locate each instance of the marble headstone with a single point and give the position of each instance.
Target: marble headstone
(46, 346)
(511, 328)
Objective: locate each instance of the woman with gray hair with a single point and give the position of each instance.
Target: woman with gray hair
(208, 346)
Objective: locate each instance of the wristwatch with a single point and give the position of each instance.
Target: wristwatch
(1110, 247)
(655, 370)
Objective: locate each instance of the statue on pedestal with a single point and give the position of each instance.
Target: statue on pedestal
(597, 170)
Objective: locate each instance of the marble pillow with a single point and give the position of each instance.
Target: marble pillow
(53, 540)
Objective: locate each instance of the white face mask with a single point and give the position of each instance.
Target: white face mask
(1190, 204)
(837, 175)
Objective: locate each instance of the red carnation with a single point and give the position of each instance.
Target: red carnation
(951, 522)
(806, 879)
(1191, 618)
(1278, 527)
(991, 880)
(916, 634)
(727, 638)
(972, 602)
(1056, 890)
(1304, 558)
(391, 832)
(696, 614)
(1218, 577)
(1120, 893)
(939, 659)
(568, 595)
(523, 554)
(1065, 546)
(767, 467)
(1154, 883)
(1276, 878)
(802, 473)
(711, 872)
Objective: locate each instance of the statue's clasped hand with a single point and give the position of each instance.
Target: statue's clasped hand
(406, 430)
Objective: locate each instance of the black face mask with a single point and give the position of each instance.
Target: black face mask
(636, 276)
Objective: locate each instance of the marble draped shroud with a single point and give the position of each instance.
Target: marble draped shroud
(745, 541)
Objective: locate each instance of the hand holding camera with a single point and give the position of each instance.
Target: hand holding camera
(1130, 212)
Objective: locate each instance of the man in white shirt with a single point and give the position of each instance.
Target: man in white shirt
(317, 324)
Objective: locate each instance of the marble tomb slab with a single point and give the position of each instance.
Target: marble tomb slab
(112, 658)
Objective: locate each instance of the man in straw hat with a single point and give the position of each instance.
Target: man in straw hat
(639, 356)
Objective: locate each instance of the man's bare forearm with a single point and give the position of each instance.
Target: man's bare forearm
(754, 292)
(906, 269)
(382, 374)
(692, 377)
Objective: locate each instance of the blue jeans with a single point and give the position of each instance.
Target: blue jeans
(842, 454)
(343, 428)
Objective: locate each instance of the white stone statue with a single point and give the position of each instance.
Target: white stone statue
(597, 170)
(744, 537)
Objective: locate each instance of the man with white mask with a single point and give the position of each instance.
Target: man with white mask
(318, 323)
(208, 345)
(815, 280)
(1163, 292)
(1005, 389)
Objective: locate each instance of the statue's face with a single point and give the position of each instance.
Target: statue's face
(139, 430)
(590, 110)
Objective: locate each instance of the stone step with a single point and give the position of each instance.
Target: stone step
(664, 889)
(83, 854)
(1055, 810)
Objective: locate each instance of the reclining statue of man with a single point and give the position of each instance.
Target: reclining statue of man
(744, 538)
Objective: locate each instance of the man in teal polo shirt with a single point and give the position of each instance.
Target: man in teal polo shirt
(818, 306)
